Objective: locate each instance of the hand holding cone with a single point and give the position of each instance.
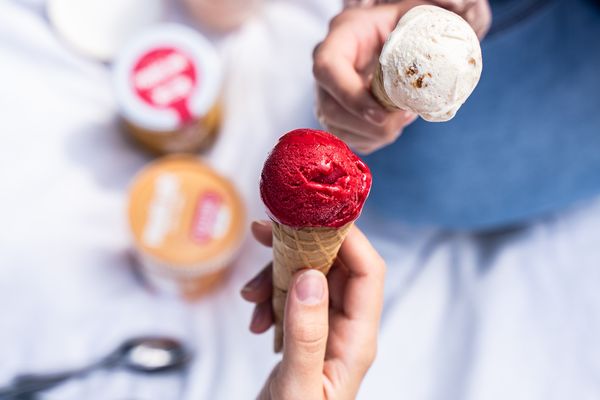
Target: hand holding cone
(314, 188)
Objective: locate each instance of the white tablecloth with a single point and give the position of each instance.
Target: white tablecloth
(513, 314)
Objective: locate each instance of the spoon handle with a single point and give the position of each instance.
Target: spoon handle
(27, 384)
(33, 383)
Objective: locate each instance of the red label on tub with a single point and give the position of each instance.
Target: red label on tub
(165, 78)
(208, 222)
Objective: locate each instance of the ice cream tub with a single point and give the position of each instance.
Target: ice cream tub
(187, 224)
(168, 83)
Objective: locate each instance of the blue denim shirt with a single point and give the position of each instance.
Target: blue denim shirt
(527, 141)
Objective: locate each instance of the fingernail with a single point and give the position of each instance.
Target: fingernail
(375, 116)
(309, 288)
(254, 283)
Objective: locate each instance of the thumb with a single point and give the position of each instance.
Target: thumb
(306, 325)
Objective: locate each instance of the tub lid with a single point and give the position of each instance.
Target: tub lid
(165, 77)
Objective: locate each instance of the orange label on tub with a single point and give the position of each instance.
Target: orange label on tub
(183, 213)
(165, 78)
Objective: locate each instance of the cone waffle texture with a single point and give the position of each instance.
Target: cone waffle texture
(378, 89)
(295, 249)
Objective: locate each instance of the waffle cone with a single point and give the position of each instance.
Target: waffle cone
(378, 90)
(295, 249)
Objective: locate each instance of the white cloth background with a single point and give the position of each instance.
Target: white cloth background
(508, 315)
(513, 314)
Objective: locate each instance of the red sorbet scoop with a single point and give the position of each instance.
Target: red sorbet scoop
(312, 179)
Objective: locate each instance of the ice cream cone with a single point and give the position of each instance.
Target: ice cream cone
(295, 249)
(378, 90)
(314, 188)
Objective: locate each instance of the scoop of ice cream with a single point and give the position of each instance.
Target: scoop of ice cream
(431, 63)
(312, 179)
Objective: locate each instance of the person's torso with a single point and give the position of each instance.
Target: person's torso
(526, 142)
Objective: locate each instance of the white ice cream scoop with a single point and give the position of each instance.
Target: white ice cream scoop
(430, 64)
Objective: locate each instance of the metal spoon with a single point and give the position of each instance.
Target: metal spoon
(143, 354)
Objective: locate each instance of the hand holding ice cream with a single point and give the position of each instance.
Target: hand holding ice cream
(344, 64)
(314, 188)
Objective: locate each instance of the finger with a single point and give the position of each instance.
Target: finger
(334, 114)
(268, 391)
(349, 137)
(364, 290)
(334, 69)
(357, 143)
(339, 61)
(259, 288)
(262, 232)
(330, 112)
(355, 328)
(305, 336)
(359, 134)
(475, 12)
(262, 317)
(480, 17)
(336, 281)
(383, 136)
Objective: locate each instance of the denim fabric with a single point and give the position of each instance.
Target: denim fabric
(527, 142)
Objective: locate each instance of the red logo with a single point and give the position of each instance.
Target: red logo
(205, 225)
(165, 78)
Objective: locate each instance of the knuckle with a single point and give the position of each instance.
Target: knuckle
(390, 136)
(365, 150)
(316, 49)
(366, 358)
(311, 337)
(272, 389)
(338, 19)
(328, 107)
(379, 267)
(355, 102)
(341, 135)
(322, 64)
